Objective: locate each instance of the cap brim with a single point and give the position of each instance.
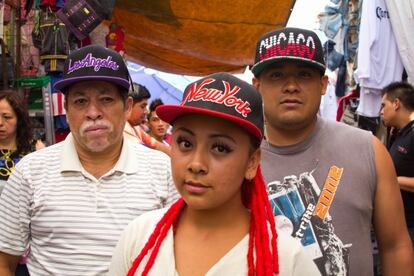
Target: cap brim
(63, 84)
(260, 66)
(170, 113)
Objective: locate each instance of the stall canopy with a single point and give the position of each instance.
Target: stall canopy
(197, 37)
(168, 87)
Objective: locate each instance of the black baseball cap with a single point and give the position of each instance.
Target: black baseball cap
(94, 62)
(288, 44)
(221, 95)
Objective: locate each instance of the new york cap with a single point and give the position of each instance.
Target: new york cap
(288, 44)
(221, 95)
(94, 62)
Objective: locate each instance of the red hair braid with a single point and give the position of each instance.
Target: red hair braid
(265, 249)
(156, 238)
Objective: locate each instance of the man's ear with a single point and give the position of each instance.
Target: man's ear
(256, 83)
(254, 162)
(324, 83)
(396, 104)
(128, 106)
(65, 103)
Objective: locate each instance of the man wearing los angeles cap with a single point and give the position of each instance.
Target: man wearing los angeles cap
(71, 201)
(327, 182)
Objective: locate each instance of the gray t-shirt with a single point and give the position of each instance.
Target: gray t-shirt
(322, 192)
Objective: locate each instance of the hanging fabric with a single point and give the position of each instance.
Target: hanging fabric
(81, 16)
(54, 42)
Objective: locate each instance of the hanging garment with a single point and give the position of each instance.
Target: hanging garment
(379, 61)
(115, 38)
(81, 16)
(29, 53)
(402, 21)
(54, 46)
(6, 67)
(98, 35)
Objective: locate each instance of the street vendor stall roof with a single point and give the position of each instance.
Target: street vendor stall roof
(197, 37)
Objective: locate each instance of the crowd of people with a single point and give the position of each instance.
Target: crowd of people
(238, 179)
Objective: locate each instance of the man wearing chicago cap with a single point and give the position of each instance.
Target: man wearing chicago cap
(71, 201)
(327, 182)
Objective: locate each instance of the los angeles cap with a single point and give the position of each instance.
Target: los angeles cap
(94, 62)
(288, 44)
(222, 95)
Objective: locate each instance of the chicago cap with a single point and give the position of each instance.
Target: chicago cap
(288, 44)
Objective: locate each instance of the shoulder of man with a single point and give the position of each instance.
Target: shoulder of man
(344, 129)
(143, 151)
(44, 154)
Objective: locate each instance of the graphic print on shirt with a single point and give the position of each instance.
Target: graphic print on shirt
(302, 209)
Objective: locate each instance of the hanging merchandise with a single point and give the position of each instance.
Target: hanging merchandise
(347, 106)
(115, 38)
(6, 68)
(54, 44)
(29, 53)
(340, 23)
(81, 16)
(1, 19)
(379, 61)
(98, 35)
(402, 15)
(108, 6)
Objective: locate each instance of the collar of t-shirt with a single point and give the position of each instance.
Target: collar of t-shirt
(405, 130)
(299, 147)
(70, 160)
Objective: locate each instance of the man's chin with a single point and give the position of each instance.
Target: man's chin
(97, 146)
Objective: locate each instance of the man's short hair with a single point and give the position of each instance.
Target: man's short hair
(154, 104)
(402, 91)
(139, 93)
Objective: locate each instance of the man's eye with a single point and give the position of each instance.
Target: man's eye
(107, 99)
(80, 101)
(275, 75)
(305, 74)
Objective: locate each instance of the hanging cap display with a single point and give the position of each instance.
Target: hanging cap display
(288, 44)
(94, 62)
(222, 95)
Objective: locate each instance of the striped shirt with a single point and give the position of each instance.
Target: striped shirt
(70, 219)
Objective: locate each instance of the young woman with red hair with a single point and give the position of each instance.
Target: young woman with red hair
(223, 224)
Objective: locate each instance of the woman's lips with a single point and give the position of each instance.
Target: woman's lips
(194, 187)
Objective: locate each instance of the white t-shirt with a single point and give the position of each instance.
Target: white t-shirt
(402, 19)
(293, 260)
(379, 61)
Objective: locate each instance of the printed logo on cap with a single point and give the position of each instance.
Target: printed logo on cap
(227, 97)
(222, 95)
(91, 61)
(287, 44)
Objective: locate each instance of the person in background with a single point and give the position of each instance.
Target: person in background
(70, 201)
(157, 127)
(16, 140)
(397, 112)
(133, 128)
(327, 182)
(223, 224)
